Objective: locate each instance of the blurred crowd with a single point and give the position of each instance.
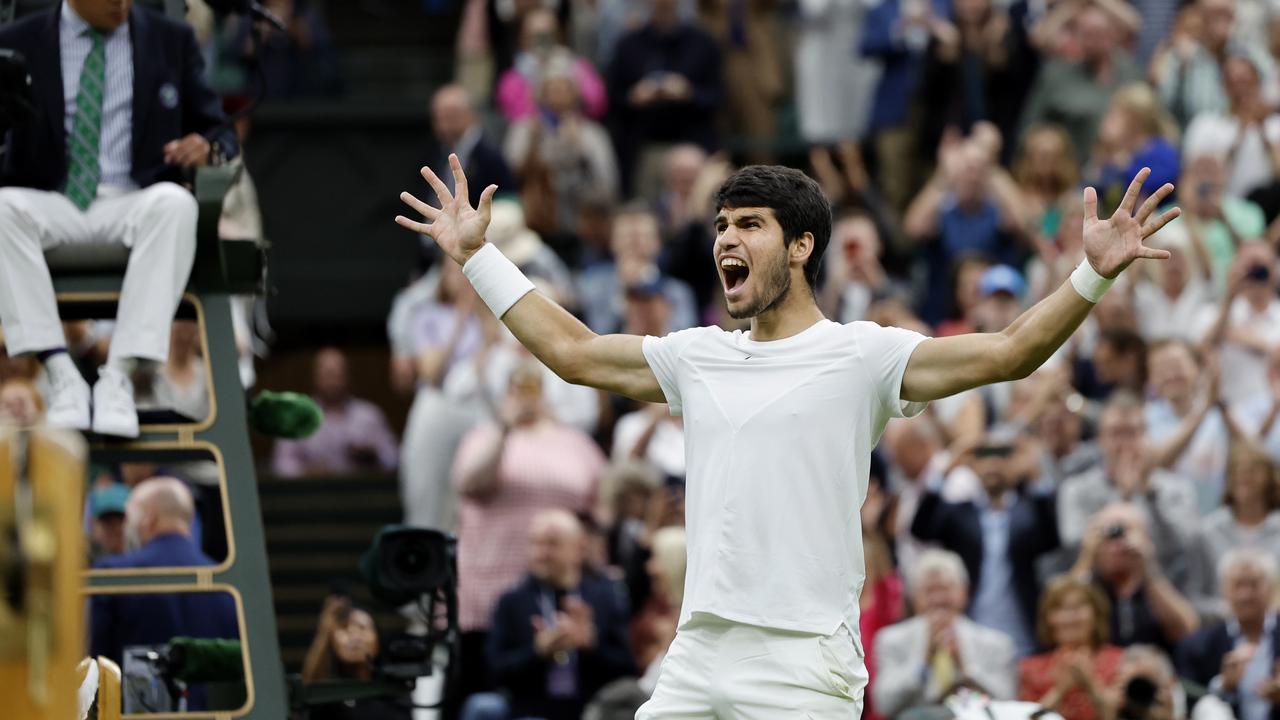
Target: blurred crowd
(1101, 537)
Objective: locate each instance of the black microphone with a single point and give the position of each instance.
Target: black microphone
(247, 7)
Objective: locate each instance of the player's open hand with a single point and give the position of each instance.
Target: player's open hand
(456, 227)
(1112, 244)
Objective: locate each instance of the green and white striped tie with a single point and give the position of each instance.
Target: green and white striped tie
(86, 129)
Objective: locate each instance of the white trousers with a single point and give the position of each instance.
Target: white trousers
(722, 670)
(157, 224)
(435, 428)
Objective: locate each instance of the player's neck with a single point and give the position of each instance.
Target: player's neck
(795, 314)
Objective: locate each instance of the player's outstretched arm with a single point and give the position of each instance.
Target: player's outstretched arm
(610, 362)
(946, 366)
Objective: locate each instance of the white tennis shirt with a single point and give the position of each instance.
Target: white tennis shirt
(778, 440)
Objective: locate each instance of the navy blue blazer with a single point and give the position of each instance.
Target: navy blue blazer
(485, 166)
(1199, 658)
(120, 621)
(166, 61)
(1033, 532)
(523, 674)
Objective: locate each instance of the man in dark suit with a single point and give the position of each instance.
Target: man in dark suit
(457, 130)
(1000, 535)
(1236, 658)
(559, 635)
(158, 519)
(121, 114)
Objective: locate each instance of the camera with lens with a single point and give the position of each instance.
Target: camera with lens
(1139, 698)
(414, 565)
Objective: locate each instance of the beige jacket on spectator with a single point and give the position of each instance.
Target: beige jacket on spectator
(986, 657)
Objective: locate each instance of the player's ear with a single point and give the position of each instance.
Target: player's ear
(801, 248)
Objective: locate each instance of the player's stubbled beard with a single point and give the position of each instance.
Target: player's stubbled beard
(775, 284)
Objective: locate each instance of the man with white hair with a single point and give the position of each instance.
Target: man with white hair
(940, 650)
(1236, 658)
(158, 517)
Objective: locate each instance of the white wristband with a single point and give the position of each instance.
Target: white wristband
(497, 280)
(1089, 283)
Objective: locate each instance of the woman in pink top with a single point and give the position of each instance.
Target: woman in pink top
(517, 90)
(506, 474)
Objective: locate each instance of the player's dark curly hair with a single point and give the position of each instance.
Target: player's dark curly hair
(796, 200)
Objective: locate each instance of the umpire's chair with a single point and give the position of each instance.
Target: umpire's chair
(88, 281)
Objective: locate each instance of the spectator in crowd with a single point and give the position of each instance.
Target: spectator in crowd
(104, 170)
(654, 626)
(20, 403)
(1190, 77)
(558, 153)
(939, 650)
(1135, 132)
(1061, 430)
(353, 437)
(1125, 474)
(1075, 93)
(510, 232)
(675, 206)
(653, 435)
(1248, 518)
(1047, 176)
(1118, 556)
(506, 473)
(897, 34)
(854, 274)
(1078, 664)
(1173, 366)
(963, 62)
(541, 50)
(1147, 687)
(107, 506)
(833, 86)
(1214, 221)
(346, 647)
(1170, 292)
(751, 62)
(1260, 415)
(1118, 363)
(1001, 534)
(1247, 137)
(299, 61)
(558, 635)
(180, 383)
(627, 488)
(458, 132)
(439, 333)
(1246, 323)
(917, 462)
(961, 211)
(1236, 657)
(664, 86)
(881, 603)
(158, 519)
(635, 244)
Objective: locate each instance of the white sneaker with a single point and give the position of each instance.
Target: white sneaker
(69, 404)
(114, 412)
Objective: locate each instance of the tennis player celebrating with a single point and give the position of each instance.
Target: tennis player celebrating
(779, 424)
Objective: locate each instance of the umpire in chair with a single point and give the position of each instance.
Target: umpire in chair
(122, 113)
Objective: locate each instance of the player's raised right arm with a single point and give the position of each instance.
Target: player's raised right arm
(615, 363)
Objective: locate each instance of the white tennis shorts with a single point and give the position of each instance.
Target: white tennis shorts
(722, 670)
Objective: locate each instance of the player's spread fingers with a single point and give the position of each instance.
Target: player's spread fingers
(1135, 188)
(1154, 226)
(424, 209)
(1152, 253)
(1090, 204)
(414, 225)
(459, 180)
(442, 190)
(1149, 206)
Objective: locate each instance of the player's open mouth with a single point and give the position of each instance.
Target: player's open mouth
(735, 273)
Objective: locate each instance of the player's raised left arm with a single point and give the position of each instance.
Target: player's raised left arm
(946, 366)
